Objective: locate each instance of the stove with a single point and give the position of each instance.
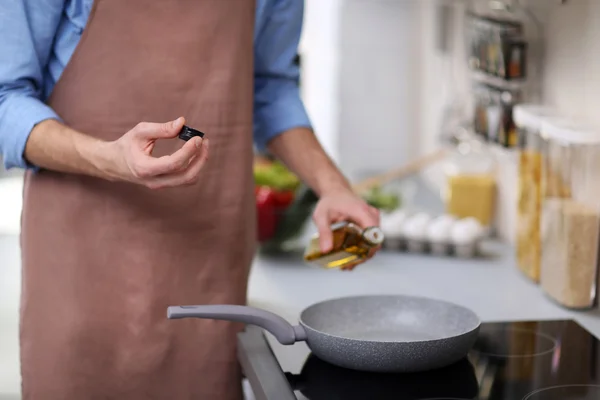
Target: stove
(536, 360)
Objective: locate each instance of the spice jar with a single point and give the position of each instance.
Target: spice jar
(570, 213)
(471, 183)
(528, 119)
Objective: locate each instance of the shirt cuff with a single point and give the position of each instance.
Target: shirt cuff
(283, 110)
(20, 116)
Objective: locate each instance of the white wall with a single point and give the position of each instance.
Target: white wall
(572, 79)
(443, 79)
(360, 74)
(320, 50)
(379, 71)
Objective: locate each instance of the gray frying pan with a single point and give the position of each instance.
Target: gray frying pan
(378, 333)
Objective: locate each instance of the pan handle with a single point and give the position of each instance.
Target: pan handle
(283, 331)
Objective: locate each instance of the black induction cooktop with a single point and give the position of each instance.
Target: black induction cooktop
(537, 360)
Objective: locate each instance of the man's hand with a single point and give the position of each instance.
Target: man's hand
(57, 147)
(300, 150)
(131, 157)
(343, 205)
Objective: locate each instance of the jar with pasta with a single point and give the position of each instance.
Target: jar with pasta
(571, 213)
(528, 119)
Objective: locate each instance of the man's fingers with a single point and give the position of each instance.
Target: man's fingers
(363, 216)
(375, 213)
(182, 157)
(153, 131)
(323, 226)
(150, 167)
(187, 176)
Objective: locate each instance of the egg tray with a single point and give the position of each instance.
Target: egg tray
(470, 250)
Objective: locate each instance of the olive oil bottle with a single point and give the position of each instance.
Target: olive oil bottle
(351, 244)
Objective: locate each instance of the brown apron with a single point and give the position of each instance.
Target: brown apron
(102, 261)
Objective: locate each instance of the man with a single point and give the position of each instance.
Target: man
(120, 219)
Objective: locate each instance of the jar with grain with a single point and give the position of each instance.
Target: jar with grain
(528, 119)
(471, 183)
(571, 213)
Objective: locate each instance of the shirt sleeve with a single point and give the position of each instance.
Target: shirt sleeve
(277, 103)
(27, 30)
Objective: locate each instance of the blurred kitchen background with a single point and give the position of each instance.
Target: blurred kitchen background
(387, 82)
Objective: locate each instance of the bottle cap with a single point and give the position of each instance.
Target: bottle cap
(373, 235)
(187, 133)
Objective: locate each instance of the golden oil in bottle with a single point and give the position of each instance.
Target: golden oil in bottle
(351, 244)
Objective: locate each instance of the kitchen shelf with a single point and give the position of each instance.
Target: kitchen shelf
(500, 83)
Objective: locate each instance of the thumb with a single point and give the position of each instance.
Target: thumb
(165, 130)
(324, 228)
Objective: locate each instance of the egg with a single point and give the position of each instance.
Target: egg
(392, 225)
(416, 226)
(463, 233)
(474, 225)
(440, 229)
(399, 217)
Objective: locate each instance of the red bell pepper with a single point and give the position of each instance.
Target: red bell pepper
(284, 198)
(266, 212)
(270, 205)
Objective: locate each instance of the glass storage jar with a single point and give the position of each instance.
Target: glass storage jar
(528, 119)
(471, 183)
(571, 213)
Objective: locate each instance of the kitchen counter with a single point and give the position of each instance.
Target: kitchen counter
(492, 287)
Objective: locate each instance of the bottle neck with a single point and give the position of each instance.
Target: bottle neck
(373, 236)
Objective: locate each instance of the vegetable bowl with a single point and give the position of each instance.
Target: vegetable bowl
(274, 191)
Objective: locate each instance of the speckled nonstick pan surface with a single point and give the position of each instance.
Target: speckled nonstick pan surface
(379, 333)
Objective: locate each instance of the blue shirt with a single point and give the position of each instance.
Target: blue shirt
(38, 37)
